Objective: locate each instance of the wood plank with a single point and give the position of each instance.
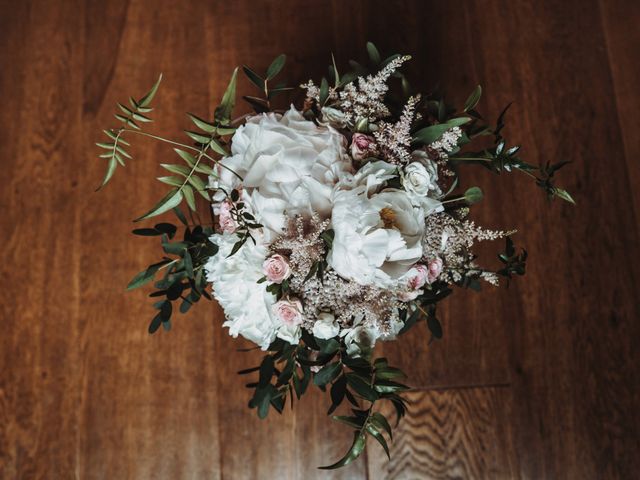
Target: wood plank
(622, 39)
(456, 433)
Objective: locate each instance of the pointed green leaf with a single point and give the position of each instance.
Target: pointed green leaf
(563, 194)
(173, 181)
(202, 124)
(374, 54)
(378, 436)
(256, 79)
(178, 169)
(203, 139)
(146, 100)
(169, 201)
(187, 191)
(111, 167)
(224, 111)
(276, 66)
(354, 452)
(473, 99)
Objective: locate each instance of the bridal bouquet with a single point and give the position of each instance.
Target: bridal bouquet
(332, 225)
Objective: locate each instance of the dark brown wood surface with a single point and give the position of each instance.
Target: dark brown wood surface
(539, 381)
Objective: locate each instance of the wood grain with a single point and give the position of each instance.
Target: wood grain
(537, 381)
(444, 434)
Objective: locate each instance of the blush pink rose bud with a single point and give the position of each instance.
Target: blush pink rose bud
(435, 269)
(289, 311)
(225, 219)
(361, 146)
(417, 280)
(276, 268)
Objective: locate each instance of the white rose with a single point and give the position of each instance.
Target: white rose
(287, 164)
(333, 115)
(359, 338)
(377, 239)
(416, 179)
(247, 304)
(326, 326)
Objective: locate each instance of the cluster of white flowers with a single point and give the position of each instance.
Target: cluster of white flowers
(351, 223)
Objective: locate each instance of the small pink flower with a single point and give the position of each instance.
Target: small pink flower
(225, 219)
(419, 278)
(362, 146)
(435, 269)
(276, 268)
(408, 295)
(289, 311)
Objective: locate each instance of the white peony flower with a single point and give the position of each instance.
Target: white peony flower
(371, 176)
(326, 326)
(288, 164)
(247, 304)
(377, 239)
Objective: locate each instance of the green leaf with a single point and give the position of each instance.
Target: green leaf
(276, 66)
(354, 452)
(188, 195)
(380, 421)
(111, 168)
(434, 326)
(197, 137)
(324, 91)
(378, 436)
(173, 181)
(186, 156)
(362, 387)
(181, 216)
(202, 124)
(327, 373)
(178, 169)
(170, 200)
(473, 195)
(225, 109)
(219, 149)
(430, 134)
(374, 54)
(473, 99)
(146, 100)
(145, 276)
(188, 264)
(563, 194)
(199, 185)
(355, 422)
(256, 79)
(387, 386)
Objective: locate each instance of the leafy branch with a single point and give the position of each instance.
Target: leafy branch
(290, 369)
(183, 265)
(263, 104)
(132, 114)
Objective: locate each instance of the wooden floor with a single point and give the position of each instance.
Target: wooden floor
(539, 382)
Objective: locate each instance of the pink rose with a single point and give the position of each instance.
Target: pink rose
(435, 269)
(362, 146)
(225, 219)
(419, 277)
(289, 311)
(276, 268)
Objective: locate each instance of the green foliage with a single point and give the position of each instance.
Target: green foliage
(183, 280)
(263, 103)
(131, 115)
(287, 370)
